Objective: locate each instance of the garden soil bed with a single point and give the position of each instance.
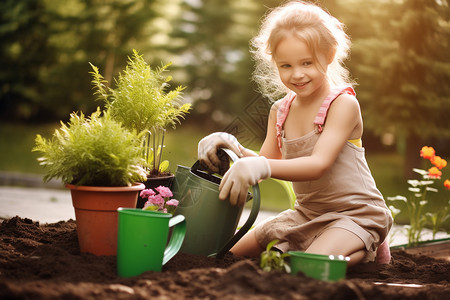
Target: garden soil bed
(44, 262)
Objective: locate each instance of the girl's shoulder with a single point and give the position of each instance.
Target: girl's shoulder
(348, 98)
(344, 93)
(276, 104)
(284, 103)
(345, 106)
(275, 108)
(338, 91)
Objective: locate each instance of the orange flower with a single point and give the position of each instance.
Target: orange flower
(438, 162)
(434, 173)
(447, 184)
(427, 152)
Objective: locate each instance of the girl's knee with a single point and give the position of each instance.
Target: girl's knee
(356, 257)
(336, 241)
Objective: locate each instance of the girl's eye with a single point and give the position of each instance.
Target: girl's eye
(307, 63)
(285, 66)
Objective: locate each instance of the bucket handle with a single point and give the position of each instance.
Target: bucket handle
(251, 218)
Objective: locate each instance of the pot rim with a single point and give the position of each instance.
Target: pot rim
(319, 257)
(135, 187)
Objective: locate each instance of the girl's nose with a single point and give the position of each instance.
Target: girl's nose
(298, 73)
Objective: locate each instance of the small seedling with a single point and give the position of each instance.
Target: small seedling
(273, 259)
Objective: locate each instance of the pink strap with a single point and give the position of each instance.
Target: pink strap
(282, 114)
(323, 110)
(286, 102)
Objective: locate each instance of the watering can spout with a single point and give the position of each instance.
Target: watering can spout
(210, 223)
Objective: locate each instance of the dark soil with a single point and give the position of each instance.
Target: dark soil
(44, 262)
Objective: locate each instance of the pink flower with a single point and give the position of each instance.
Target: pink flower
(164, 191)
(147, 193)
(156, 200)
(171, 205)
(159, 201)
(173, 202)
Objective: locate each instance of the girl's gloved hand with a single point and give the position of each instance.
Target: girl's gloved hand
(244, 173)
(208, 146)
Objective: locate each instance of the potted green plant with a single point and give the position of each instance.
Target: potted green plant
(100, 161)
(141, 102)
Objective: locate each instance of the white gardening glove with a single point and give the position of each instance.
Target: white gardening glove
(244, 173)
(208, 146)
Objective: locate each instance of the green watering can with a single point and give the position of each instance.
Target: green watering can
(210, 223)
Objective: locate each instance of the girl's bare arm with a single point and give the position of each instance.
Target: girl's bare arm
(343, 122)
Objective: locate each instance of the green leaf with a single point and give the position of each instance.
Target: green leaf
(95, 151)
(271, 244)
(163, 166)
(273, 260)
(141, 103)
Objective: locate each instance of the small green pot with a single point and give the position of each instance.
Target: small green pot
(323, 267)
(143, 240)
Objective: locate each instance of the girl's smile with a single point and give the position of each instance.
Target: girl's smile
(300, 85)
(299, 70)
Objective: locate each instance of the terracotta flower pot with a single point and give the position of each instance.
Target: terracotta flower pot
(96, 215)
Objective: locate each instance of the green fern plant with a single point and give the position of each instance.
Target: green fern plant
(140, 102)
(92, 151)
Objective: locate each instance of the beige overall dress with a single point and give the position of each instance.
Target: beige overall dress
(345, 196)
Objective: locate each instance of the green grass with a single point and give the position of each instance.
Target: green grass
(16, 143)
(387, 170)
(181, 149)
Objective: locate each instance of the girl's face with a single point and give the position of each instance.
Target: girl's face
(298, 70)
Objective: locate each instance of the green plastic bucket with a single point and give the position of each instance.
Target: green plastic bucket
(143, 240)
(318, 266)
(210, 223)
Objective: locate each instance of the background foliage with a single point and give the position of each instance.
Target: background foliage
(399, 59)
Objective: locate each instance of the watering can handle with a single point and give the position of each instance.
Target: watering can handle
(251, 218)
(231, 154)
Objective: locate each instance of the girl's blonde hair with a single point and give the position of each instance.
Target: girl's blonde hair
(323, 34)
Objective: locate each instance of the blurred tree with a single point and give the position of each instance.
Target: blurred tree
(400, 57)
(211, 39)
(25, 49)
(46, 47)
(210, 45)
(99, 31)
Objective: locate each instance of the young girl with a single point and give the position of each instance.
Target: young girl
(313, 139)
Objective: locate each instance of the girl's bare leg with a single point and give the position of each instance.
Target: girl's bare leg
(339, 241)
(247, 245)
